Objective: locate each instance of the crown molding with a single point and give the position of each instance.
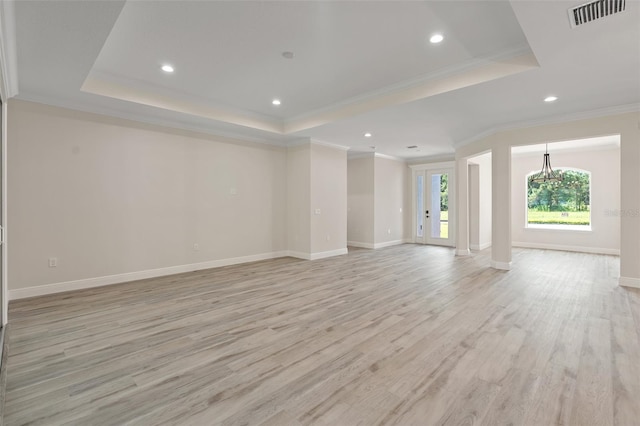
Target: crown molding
(225, 136)
(310, 141)
(416, 81)
(475, 138)
(360, 155)
(482, 71)
(8, 55)
(584, 115)
(594, 148)
(145, 96)
(433, 165)
(444, 158)
(330, 145)
(389, 157)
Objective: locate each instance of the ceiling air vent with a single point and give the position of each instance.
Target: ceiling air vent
(595, 10)
(412, 147)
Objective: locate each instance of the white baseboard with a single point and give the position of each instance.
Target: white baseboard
(580, 249)
(331, 253)
(629, 282)
(480, 246)
(298, 254)
(388, 244)
(378, 245)
(21, 293)
(359, 244)
(318, 255)
(463, 252)
(504, 266)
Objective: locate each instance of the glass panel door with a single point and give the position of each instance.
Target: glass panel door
(437, 210)
(433, 206)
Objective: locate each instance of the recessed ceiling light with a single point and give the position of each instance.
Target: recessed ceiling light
(367, 135)
(436, 38)
(551, 99)
(276, 102)
(167, 68)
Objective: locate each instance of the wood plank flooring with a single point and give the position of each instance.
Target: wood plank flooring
(407, 335)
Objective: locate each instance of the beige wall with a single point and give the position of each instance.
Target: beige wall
(299, 199)
(485, 200)
(108, 196)
(474, 206)
(389, 200)
(408, 205)
(379, 191)
(329, 197)
(317, 200)
(604, 236)
(360, 200)
(480, 202)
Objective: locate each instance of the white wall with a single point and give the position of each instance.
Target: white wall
(379, 198)
(299, 199)
(389, 201)
(474, 206)
(317, 200)
(480, 202)
(605, 197)
(408, 205)
(360, 200)
(329, 196)
(107, 196)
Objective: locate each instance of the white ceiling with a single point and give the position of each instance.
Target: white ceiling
(358, 67)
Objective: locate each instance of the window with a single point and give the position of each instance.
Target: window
(560, 205)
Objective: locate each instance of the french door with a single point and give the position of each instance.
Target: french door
(434, 206)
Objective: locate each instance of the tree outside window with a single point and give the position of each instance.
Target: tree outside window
(560, 203)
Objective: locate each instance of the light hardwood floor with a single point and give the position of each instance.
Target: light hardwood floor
(407, 335)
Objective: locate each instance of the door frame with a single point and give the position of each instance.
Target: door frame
(418, 169)
(3, 221)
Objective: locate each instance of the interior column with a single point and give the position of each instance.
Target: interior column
(630, 206)
(501, 208)
(462, 207)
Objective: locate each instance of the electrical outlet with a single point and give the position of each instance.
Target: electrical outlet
(328, 237)
(53, 262)
(196, 247)
(317, 211)
(389, 231)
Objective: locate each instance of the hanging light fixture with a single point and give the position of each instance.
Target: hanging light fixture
(547, 174)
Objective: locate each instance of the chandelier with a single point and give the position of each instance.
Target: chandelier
(547, 174)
